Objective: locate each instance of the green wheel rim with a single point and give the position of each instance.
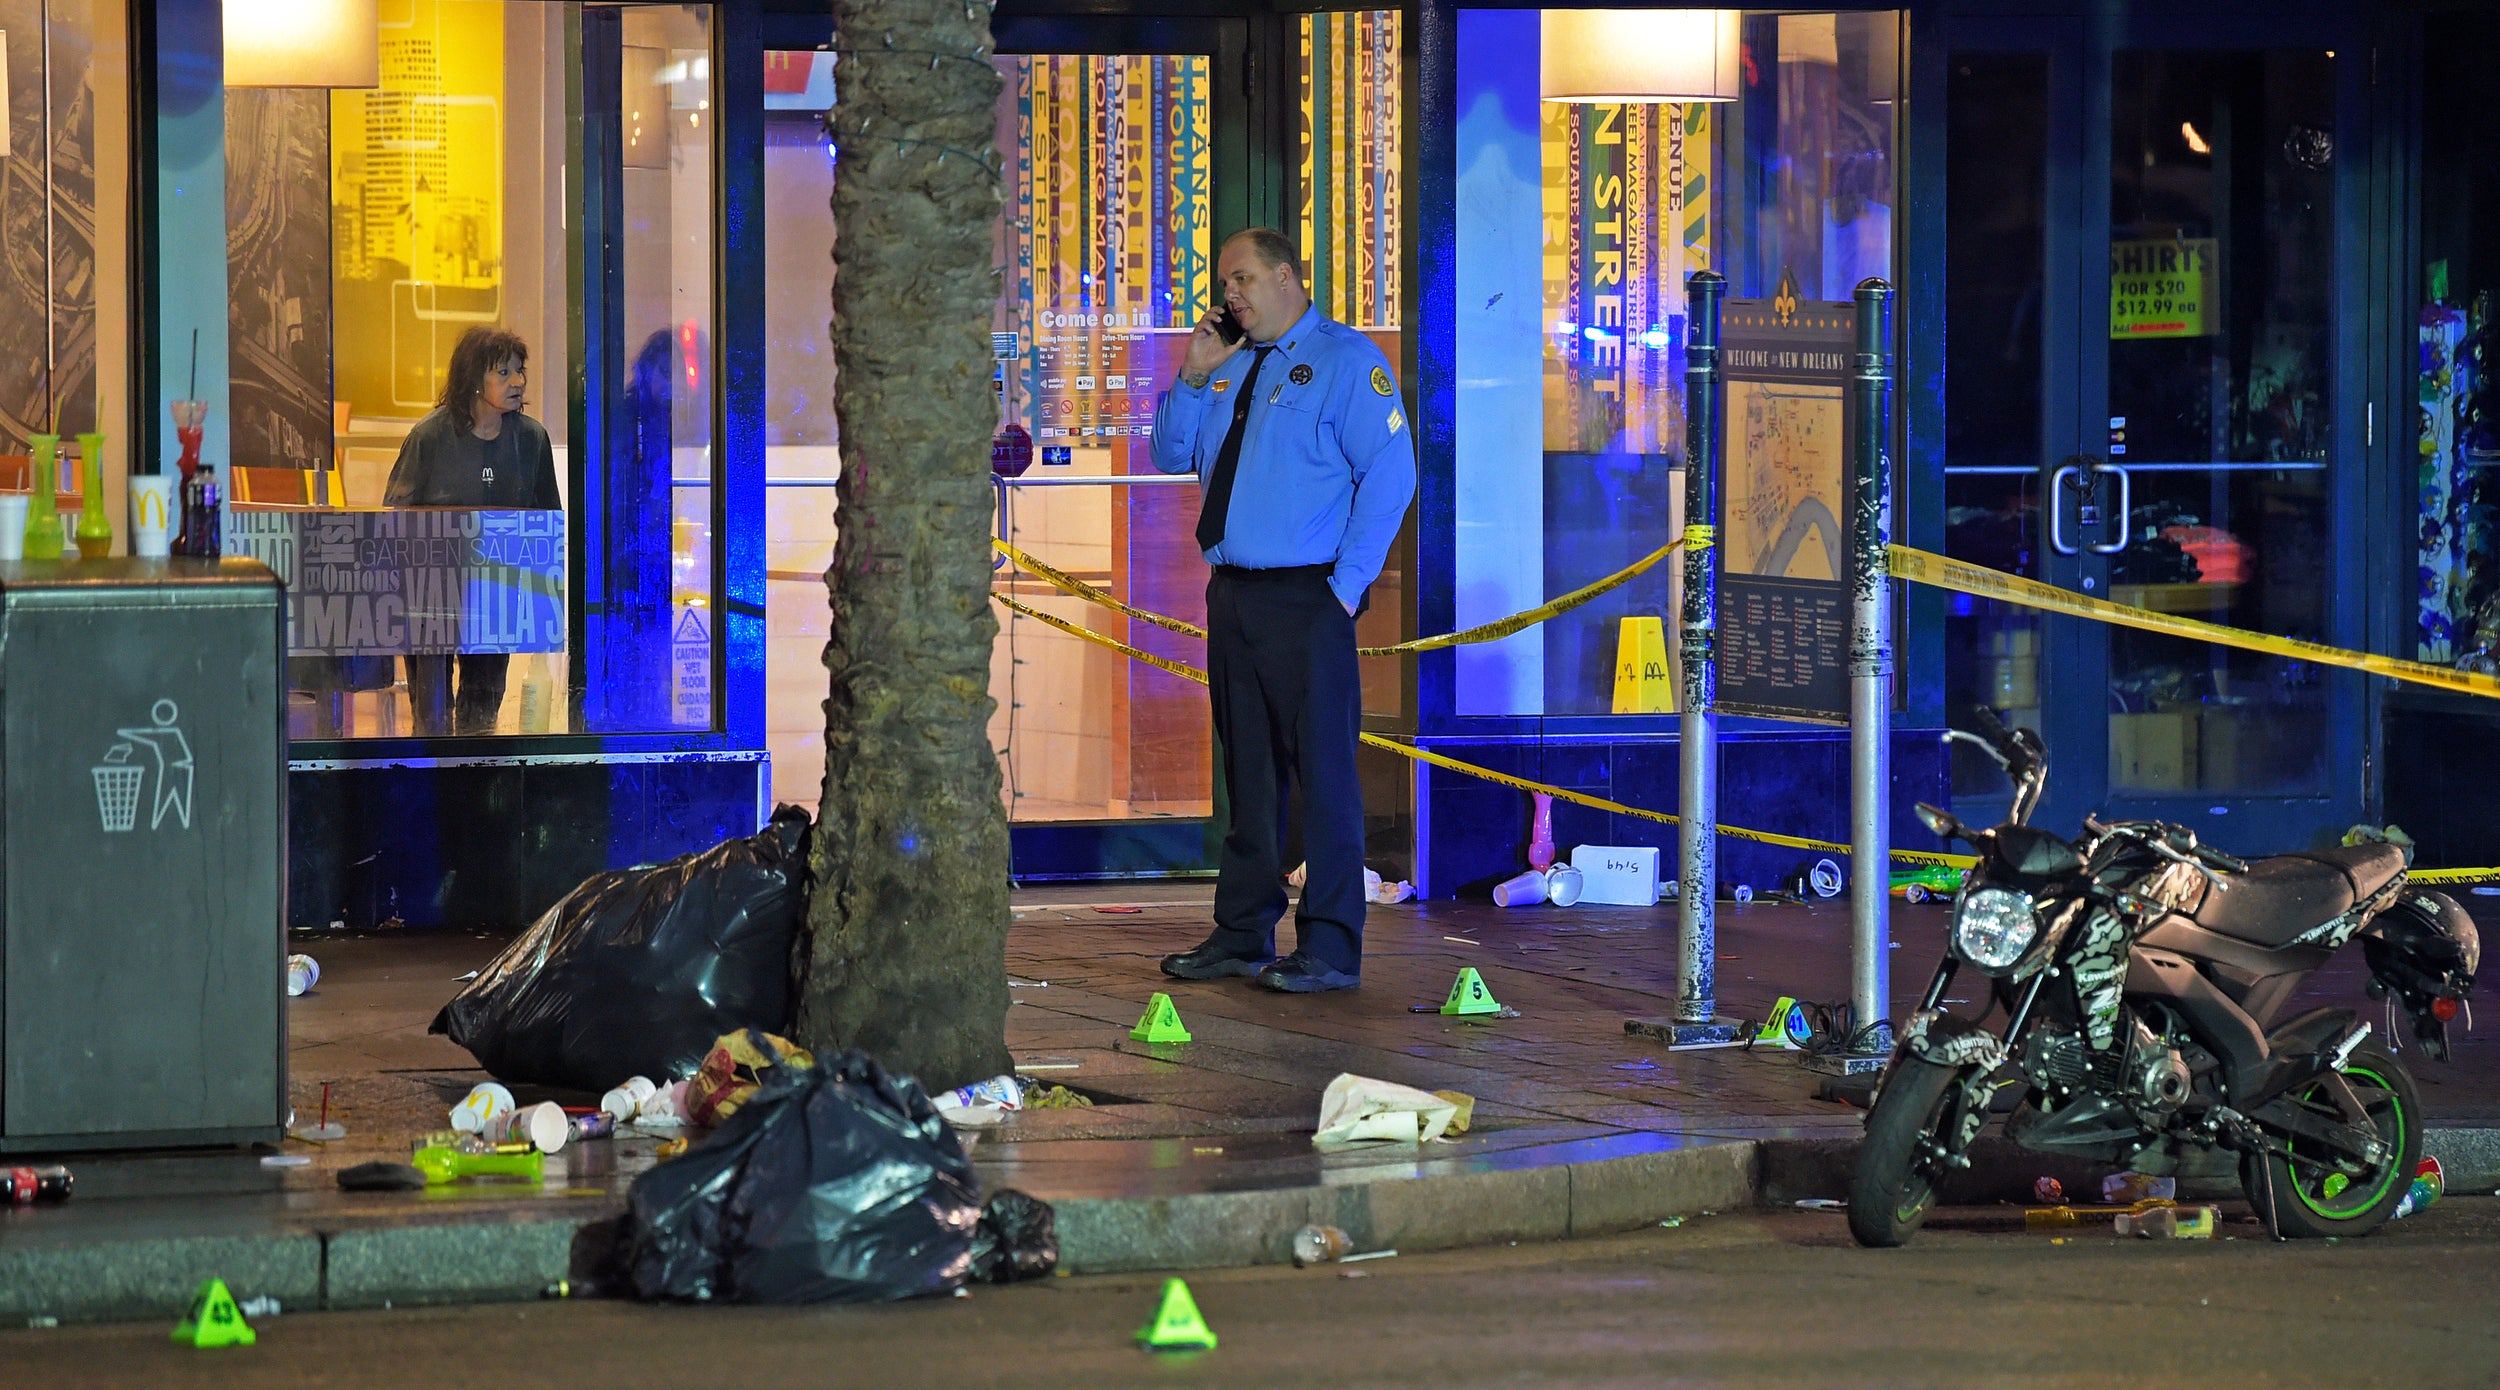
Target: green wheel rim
(2340, 1203)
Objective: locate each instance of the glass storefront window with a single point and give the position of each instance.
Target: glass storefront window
(1577, 225)
(1995, 418)
(2221, 385)
(65, 309)
(1106, 246)
(532, 167)
(2456, 593)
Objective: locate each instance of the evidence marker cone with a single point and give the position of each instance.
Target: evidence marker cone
(1785, 1026)
(1176, 1325)
(214, 1321)
(1469, 996)
(1161, 1023)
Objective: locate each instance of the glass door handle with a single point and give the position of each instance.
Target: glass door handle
(2126, 510)
(2058, 484)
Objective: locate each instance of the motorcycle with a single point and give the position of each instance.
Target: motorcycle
(2139, 974)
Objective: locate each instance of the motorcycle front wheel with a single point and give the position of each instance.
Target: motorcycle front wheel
(2310, 1201)
(1890, 1195)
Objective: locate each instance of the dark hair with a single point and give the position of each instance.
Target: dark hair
(472, 358)
(1271, 246)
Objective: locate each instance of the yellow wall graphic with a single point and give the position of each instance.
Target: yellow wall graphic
(416, 202)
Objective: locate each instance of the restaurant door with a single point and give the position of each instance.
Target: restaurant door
(2153, 263)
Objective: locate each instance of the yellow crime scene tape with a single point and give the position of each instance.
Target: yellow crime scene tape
(1978, 581)
(1493, 631)
(1917, 566)
(1924, 567)
(1426, 755)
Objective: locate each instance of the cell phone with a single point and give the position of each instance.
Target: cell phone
(1227, 327)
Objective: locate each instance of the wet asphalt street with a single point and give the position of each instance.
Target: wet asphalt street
(1745, 1299)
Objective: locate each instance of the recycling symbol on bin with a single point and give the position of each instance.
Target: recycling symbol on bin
(121, 780)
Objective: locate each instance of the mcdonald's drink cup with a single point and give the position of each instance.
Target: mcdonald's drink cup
(151, 515)
(483, 1106)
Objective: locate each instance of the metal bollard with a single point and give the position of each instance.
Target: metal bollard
(1870, 662)
(1697, 1017)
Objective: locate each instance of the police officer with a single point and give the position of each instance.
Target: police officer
(1305, 467)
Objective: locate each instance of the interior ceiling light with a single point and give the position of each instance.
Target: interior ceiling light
(302, 43)
(1611, 56)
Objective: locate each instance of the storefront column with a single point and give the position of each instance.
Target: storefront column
(178, 134)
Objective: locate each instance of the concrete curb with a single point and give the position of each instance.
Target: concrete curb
(1460, 1204)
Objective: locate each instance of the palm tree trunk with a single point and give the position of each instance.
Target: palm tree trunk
(908, 920)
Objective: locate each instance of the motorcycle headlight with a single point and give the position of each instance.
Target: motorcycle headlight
(1993, 926)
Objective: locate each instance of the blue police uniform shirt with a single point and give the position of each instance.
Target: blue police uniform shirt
(1327, 463)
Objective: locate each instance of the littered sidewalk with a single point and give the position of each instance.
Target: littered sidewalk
(1191, 1155)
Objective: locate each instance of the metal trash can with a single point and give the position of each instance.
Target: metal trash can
(142, 854)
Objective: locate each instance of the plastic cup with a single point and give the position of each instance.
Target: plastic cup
(12, 526)
(622, 1102)
(484, 1106)
(302, 973)
(1563, 885)
(1527, 890)
(544, 1127)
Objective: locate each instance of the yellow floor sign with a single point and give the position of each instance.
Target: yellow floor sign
(1643, 683)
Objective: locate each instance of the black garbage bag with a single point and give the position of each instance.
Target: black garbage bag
(1018, 1238)
(637, 971)
(834, 1184)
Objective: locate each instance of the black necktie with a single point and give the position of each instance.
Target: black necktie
(1228, 459)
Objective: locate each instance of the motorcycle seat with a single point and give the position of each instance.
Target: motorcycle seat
(2282, 897)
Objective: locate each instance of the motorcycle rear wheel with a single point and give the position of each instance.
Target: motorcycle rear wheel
(1891, 1191)
(2308, 1204)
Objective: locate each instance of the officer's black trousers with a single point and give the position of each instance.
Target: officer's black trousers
(1288, 708)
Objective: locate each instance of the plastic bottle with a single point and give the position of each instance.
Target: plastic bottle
(201, 538)
(27, 1186)
(1320, 1245)
(2430, 1183)
(1005, 1092)
(442, 1165)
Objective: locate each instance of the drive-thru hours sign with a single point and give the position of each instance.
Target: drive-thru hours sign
(2160, 288)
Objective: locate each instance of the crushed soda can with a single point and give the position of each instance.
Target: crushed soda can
(2048, 1191)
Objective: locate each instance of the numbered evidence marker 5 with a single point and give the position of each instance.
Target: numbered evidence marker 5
(1469, 996)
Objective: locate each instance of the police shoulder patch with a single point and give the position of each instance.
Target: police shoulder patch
(1381, 382)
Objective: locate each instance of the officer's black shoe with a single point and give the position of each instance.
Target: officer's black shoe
(1299, 974)
(1212, 960)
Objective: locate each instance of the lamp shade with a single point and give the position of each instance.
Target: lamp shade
(1639, 55)
(302, 43)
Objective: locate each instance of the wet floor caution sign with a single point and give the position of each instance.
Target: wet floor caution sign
(690, 670)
